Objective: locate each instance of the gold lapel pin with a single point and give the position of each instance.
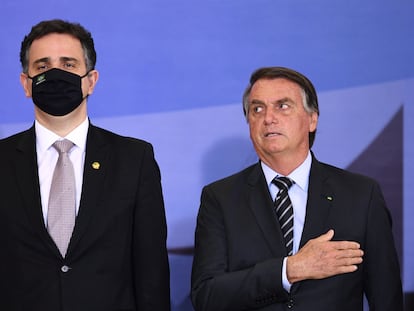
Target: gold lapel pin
(96, 165)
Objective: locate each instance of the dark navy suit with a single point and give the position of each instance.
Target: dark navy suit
(239, 246)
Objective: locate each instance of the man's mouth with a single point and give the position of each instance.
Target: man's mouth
(272, 134)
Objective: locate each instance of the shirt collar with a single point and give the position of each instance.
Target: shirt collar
(300, 175)
(45, 137)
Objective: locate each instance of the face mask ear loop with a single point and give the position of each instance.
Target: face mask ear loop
(87, 73)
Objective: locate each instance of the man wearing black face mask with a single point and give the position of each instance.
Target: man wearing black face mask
(82, 220)
(56, 91)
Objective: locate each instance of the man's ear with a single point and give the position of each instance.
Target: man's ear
(92, 77)
(314, 122)
(27, 85)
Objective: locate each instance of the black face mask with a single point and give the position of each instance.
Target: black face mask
(57, 92)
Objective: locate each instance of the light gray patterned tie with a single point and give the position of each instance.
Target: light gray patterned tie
(61, 212)
(284, 210)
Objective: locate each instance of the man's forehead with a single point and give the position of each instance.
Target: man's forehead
(274, 82)
(56, 43)
(275, 88)
(54, 59)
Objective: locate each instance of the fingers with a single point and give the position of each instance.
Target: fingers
(349, 253)
(344, 259)
(346, 264)
(328, 236)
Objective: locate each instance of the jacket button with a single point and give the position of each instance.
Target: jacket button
(64, 269)
(290, 304)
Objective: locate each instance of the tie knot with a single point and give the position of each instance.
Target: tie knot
(283, 182)
(63, 146)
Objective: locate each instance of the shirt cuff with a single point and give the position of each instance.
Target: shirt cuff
(285, 282)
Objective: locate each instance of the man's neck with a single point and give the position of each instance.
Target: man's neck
(285, 164)
(62, 125)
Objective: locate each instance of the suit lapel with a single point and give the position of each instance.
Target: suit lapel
(28, 182)
(319, 205)
(97, 159)
(261, 205)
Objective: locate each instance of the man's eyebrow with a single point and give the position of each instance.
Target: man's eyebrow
(62, 59)
(277, 101)
(256, 101)
(68, 59)
(283, 100)
(42, 60)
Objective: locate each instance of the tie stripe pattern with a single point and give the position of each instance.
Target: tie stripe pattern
(61, 209)
(284, 211)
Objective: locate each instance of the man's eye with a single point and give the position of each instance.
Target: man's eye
(42, 67)
(69, 65)
(257, 109)
(283, 106)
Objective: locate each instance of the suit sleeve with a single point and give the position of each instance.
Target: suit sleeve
(151, 266)
(215, 284)
(382, 281)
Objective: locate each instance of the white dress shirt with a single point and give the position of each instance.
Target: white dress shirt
(47, 157)
(298, 194)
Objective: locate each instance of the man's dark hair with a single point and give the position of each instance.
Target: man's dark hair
(63, 27)
(310, 98)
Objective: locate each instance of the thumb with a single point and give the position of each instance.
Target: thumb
(326, 236)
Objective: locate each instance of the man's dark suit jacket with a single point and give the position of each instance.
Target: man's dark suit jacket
(239, 247)
(117, 257)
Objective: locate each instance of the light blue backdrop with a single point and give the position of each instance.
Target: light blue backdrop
(173, 72)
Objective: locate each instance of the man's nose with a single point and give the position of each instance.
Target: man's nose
(270, 116)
